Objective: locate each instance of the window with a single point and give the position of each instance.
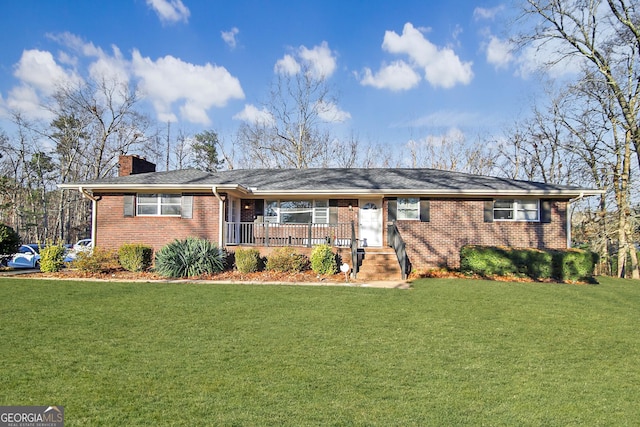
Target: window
(159, 204)
(516, 210)
(297, 211)
(409, 208)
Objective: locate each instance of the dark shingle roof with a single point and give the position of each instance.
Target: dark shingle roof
(334, 180)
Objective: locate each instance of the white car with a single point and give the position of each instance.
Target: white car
(84, 245)
(28, 256)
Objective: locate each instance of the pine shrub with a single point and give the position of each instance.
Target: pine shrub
(323, 260)
(52, 258)
(9, 240)
(248, 260)
(189, 258)
(135, 256)
(286, 259)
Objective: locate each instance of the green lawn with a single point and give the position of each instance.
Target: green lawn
(447, 352)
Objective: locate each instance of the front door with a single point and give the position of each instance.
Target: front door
(370, 222)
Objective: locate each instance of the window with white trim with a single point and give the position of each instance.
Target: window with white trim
(296, 211)
(516, 210)
(159, 204)
(408, 208)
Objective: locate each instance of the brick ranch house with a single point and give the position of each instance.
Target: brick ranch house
(390, 220)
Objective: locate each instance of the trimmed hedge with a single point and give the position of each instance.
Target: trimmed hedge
(248, 260)
(135, 256)
(323, 260)
(52, 258)
(286, 259)
(97, 260)
(563, 265)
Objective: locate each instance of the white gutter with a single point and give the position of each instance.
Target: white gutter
(214, 189)
(569, 215)
(94, 212)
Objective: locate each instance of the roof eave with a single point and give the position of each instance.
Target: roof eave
(558, 193)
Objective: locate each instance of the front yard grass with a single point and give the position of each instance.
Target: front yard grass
(447, 352)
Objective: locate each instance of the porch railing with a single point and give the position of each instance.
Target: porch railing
(270, 234)
(394, 239)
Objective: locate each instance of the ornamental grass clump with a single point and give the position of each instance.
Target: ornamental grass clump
(190, 257)
(323, 260)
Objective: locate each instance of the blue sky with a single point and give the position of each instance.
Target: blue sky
(400, 69)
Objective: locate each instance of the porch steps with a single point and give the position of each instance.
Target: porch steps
(379, 264)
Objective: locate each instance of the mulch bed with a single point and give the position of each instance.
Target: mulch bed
(225, 276)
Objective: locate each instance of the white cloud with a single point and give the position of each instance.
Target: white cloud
(484, 13)
(396, 77)
(26, 100)
(550, 57)
(331, 113)
(39, 76)
(287, 66)
(170, 11)
(229, 37)
(448, 119)
(499, 52)
(39, 70)
(251, 114)
(320, 61)
(441, 66)
(199, 87)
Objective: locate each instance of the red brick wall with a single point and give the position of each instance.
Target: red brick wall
(453, 224)
(456, 222)
(114, 228)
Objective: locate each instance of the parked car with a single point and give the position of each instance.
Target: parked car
(84, 245)
(28, 256)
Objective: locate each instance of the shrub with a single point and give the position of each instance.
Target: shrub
(486, 261)
(572, 264)
(323, 260)
(96, 261)
(190, 257)
(52, 258)
(286, 259)
(135, 256)
(248, 260)
(9, 241)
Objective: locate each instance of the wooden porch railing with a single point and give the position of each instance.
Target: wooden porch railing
(306, 235)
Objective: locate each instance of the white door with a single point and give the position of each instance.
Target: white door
(370, 222)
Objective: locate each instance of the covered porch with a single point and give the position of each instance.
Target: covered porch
(304, 235)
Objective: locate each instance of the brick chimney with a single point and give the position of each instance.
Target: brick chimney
(131, 164)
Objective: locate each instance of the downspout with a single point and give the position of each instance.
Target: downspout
(569, 215)
(94, 213)
(214, 189)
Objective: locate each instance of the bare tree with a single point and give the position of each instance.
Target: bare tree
(108, 111)
(452, 152)
(296, 134)
(606, 36)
